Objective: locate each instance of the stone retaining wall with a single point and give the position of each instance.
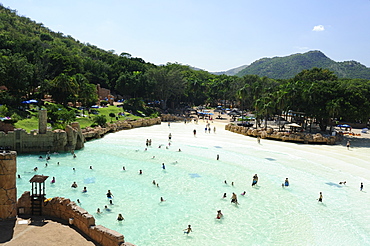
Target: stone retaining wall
(72, 138)
(8, 189)
(283, 136)
(69, 212)
(98, 132)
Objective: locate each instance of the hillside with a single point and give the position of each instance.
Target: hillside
(288, 66)
(231, 72)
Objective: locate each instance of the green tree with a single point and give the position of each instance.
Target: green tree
(100, 120)
(64, 89)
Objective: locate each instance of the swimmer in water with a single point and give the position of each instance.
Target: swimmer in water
(123, 168)
(219, 214)
(111, 202)
(188, 230)
(78, 201)
(162, 200)
(140, 172)
(243, 194)
(53, 180)
(98, 211)
(255, 180)
(109, 195)
(91, 167)
(107, 209)
(163, 166)
(120, 217)
(74, 185)
(224, 196)
(84, 190)
(35, 169)
(153, 182)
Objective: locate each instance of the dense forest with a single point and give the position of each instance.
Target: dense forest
(35, 61)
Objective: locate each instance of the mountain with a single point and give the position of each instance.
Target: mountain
(288, 66)
(231, 72)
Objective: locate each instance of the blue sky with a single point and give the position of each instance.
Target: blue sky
(213, 35)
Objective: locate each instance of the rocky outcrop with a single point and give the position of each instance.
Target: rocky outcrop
(270, 133)
(8, 189)
(171, 117)
(69, 211)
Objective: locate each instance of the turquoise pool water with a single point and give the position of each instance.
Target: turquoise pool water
(192, 184)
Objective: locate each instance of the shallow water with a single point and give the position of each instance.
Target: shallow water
(192, 184)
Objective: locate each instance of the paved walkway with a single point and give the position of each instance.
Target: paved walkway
(24, 232)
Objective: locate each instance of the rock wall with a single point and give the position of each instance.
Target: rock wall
(8, 189)
(98, 132)
(283, 136)
(68, 211)
(72, 138)
(171, 117)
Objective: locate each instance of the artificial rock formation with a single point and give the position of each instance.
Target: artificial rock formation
(283, 136)
(8, 189)
(67, 210)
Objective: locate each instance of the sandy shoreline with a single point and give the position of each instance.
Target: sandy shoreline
(352, 163)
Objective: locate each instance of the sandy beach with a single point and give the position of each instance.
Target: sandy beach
(353, 163)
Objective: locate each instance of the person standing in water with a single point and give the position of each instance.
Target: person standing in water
(255, 180)
(320, 197)
(234, 199)
(188, 230)
(361, 186)
(219, 214)
(286, 182)
(109, 194)
(120, 217)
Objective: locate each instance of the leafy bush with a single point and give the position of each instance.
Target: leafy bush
(100, 120)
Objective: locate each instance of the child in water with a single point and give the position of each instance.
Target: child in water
(219, 214)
